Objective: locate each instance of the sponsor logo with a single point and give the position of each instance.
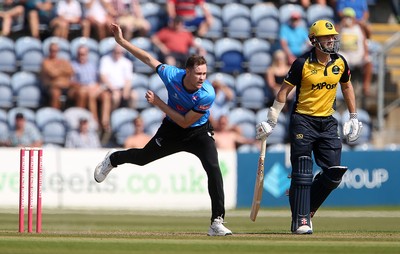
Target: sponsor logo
(313, 72)
(158, 141)
(276, 181)
(299, 136)
(329, 25)
(323, 85)
(204, 107)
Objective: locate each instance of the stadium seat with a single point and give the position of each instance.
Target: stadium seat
(286, 10)
(233, 11)
(4, 129)
(74, 114)
(90, 43)
(152, 119)
(255, 45)
(26, 90)
(229, 55)
(63, 45)
(52, 124)
(8, 62)
(317, 11)
(157, 86)
(267, 28)
(143, 43)
(216, 31)
(29, 115)
(6, 93)
(106, 46)
(250, 90)
(122, 123)
(239, 28)
(27, 44)
(245, 119)
(258, 63)
(31, 61)
(155, 14)
(215, 10)
(6, 44)
(262, 11)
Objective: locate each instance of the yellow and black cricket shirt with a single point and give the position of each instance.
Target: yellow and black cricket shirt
(316, 83)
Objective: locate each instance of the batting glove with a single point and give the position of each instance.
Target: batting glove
(264, 129)
(352, 128)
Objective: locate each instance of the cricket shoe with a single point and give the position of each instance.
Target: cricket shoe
(305, 229)
(104, 167)
(217, 228)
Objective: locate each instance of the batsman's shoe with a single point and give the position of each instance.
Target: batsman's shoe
(104, 167)
(303, 230)
(217, 228)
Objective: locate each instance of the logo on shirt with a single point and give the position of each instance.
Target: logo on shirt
(195, 97)
(204, 107)
(180, 108)
(335, 70)
(323, 85)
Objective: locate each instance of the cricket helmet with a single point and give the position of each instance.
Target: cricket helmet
(323, 28)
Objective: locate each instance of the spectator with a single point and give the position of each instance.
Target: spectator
(294, 37)
(90, 93)
(23, 135)
(10, 10)
(354, 47)
(175, 43)
(361, 9)
(83, 137)
(130, 17)
(99, 13)
(56, 74)
(39, 12)
(229, 137)
(138, 139)
(305, 3)
(69, 12)
(187, 10)
(116, 76)
(223, 96)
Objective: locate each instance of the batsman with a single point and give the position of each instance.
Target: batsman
(316, 76)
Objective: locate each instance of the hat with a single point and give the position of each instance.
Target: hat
(19, 116)
(349, 12)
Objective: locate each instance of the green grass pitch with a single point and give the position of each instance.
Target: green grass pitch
(346, 230)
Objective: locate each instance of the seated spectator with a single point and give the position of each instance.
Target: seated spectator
(116, 77)
(69, 12)
(294, 37)
(83, 137)
(138, 139)
(129, 16)
(90, 93)
(22, 135)
(229, 137)
(175, 43)
(39, 12)
(10, 10)
(361, 12)
(223, 96)
(275, 74)
(199, 24)
(354, 47)
(99, 13)
(56, 74)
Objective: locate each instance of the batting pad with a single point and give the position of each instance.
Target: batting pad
(299, 194)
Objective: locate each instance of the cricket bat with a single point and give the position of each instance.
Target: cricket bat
(259, 184)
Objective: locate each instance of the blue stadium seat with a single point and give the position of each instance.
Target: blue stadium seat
(216, 31)
(286, 10)
(63, 46)
(258, 63)
(52, 124)
(122, 123)
(6, 44)
(250, 90)
(239, 28)
(245, 119)
(8, 61)
(26, 90)
(267, 28)
(317, 11)
(262, 11)
(72, 116)
(152, 119)
(157, 86)
(155, 14)
(229, 55)
(232, 11)
(6, 93)
(106, 46)
(31, 61)
(27, 44)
